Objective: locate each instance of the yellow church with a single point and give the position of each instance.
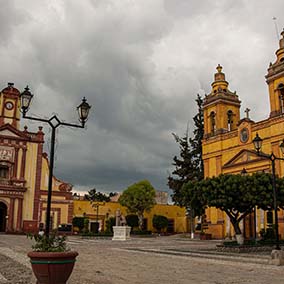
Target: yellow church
(24, 170)
(227, 145)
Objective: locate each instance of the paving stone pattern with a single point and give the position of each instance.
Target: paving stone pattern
(173, 259)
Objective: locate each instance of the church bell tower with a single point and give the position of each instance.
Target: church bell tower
(10, 106)
(275, 81)
(221, 107)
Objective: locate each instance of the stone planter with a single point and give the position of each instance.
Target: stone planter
(52, 267)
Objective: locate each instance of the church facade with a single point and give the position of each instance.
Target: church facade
(24, 170)
(227, 144)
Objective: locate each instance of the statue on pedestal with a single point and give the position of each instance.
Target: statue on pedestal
(117, 217)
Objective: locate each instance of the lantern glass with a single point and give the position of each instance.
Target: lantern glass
(83, 110)
(26, 98)
(257, 142)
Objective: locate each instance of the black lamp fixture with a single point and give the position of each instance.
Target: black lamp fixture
(26, 98)
(257, 142)
(83, 111)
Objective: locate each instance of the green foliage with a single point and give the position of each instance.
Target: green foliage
(53, 243)
(141, 233)
(110, 222)
(138, 198)
(268, 234)
(160, 222)
(236, 195)
(196, 141)
(93, 195)
(189, 166)
(78, 222)
(86, 225)
(132, 220)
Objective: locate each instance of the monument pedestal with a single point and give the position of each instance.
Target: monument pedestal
(121, 233)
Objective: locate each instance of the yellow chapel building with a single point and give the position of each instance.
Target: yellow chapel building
(227, 145)
(24, 170)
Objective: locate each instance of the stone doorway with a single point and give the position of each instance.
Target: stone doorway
(3, 214)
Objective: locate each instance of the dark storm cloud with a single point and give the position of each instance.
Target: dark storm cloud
(140, 64)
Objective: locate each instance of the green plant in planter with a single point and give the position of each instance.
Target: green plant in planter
(51, 243)
(52, 261)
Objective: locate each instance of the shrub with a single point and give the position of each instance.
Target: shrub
(52, 243)
(110, 222)
(160, 222)
(268, 234)
(78, 222)
(139, 232)
(132, 220)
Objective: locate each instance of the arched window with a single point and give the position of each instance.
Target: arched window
(281, 97)
(230, 120)
(212, 122)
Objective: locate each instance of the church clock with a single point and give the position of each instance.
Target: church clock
(9, 105)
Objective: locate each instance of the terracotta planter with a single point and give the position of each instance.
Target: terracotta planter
(52, 267)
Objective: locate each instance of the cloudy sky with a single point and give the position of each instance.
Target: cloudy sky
(140, 64)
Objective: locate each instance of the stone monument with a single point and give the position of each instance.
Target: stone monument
(121, 232)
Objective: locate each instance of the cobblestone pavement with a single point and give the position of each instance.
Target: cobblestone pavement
(158, 260)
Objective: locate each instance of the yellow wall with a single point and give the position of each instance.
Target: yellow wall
(108, 209)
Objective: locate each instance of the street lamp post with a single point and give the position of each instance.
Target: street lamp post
(54, 122)
(257, 141)
(97, 206)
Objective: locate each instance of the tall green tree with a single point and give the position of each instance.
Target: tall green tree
(189, 164)
(196, 141)
(138, 198)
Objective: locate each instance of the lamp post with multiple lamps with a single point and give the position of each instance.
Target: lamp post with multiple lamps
(54, 122)
(257, 142)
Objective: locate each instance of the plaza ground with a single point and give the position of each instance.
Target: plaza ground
(173, 259)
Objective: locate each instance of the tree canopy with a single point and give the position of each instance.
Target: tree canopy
(138, 198)
(236, 195)
(94, 196)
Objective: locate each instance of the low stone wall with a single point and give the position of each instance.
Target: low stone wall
(244, 248)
